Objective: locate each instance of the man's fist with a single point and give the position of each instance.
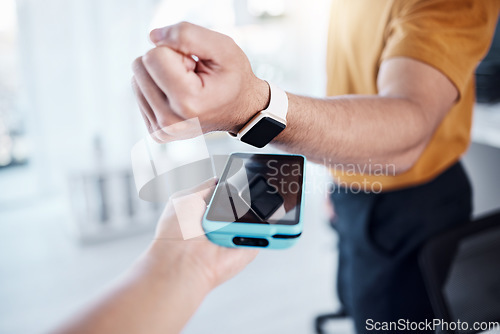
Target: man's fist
(195, 72)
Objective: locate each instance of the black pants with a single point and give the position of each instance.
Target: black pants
(380, 237)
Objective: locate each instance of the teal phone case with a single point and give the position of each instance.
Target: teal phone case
(279, 236)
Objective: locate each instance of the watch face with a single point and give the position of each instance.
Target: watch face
(263, 132)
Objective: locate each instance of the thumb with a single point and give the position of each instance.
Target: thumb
(189, 207)
(190, 39)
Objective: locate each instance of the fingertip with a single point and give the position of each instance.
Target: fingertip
(189, 63)
(156, 35)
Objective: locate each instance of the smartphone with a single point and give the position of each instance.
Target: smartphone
(258, 201)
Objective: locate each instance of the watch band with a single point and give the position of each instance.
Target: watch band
(278, 102)
(277, 109)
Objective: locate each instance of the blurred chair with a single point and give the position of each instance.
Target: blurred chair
(322, 319)
(461, 269)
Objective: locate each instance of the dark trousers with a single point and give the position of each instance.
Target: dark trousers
(380, 236)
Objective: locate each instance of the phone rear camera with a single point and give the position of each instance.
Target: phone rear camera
(253, 242)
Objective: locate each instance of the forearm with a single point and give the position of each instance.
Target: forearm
(356, 129)
(221, 90)
(157, 295)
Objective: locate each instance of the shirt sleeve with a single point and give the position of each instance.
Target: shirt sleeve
(450, 35)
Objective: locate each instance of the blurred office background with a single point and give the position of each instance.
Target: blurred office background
(70, 219)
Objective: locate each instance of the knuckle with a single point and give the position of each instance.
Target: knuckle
(163, 122)
(228, 39)
(184, 25)
(151, 57)
(187, 107)
(137, 64)
(170, 34)
(178, 32)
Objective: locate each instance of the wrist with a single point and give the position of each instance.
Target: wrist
(168, 262)
(258, 100)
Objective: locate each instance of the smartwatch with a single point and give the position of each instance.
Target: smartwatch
(268, 123)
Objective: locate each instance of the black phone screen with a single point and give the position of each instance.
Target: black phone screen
(259, 188)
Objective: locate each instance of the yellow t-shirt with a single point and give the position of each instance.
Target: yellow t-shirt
(450, 35)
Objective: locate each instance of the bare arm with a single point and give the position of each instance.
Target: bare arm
(220, 89)
(149, 299)
(391, 127)
(167, 284)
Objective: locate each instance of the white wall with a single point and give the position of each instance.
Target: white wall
(75, 64)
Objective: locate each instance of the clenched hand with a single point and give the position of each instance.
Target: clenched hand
(195, 72)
